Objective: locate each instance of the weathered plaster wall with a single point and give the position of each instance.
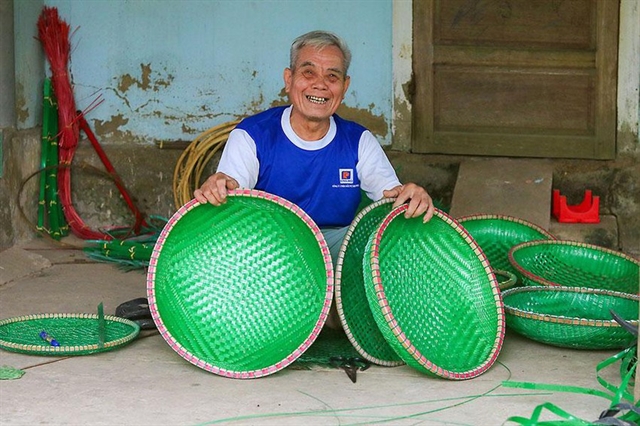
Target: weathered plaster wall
(629, 78)
(168, 70)
(7, 74)
(29, 63)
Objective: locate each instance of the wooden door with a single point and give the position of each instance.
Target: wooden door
(531, 78)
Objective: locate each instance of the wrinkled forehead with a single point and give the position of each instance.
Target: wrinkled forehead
(330, 57)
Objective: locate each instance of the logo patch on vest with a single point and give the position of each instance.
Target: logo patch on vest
(346, 176)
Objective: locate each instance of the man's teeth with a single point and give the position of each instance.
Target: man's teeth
(317, 100)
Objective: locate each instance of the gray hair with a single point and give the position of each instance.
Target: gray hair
(319, 39)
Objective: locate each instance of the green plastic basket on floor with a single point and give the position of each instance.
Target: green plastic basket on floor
(497, 234)
(72, 334)
(351, 299)
(433, 295)
(571, 317)
(575, 264)
(242, 289)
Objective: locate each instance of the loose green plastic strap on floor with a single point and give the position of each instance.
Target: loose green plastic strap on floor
(10, 373)
(618, 394)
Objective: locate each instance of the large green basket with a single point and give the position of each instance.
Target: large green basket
(572, 317)
(575, 264)
(351, 299)
(242, 289)
(75, 334)
(496, 234)
(433, 295)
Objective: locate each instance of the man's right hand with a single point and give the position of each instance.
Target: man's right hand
(214, 190)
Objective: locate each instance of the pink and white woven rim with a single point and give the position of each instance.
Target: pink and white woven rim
(543, 281)
(507, 218)
(193, 359)
(396, 327)
(561, 319)
(339, 306)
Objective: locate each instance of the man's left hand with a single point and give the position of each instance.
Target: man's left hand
(419, 200)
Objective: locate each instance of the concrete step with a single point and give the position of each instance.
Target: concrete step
(522, 188)
(514, 187)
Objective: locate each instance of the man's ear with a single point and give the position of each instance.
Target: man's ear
(287, 75)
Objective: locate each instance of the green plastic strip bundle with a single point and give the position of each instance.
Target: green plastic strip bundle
(434, 296)
(575, 264)
(65, 334)
(50, 216)
(241, 289)
(351, 300)
(127, 254)
(496, 234)
(622, 410)
(571, 317)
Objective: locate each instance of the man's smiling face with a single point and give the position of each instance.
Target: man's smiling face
(317, 84)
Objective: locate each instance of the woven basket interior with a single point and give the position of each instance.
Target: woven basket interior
(241, 286)
(571, 316)
(497, 234)
(353, 307)
(433, 295)
(76, 334)
(573, 264)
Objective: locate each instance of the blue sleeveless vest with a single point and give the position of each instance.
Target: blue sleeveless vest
(324, 183)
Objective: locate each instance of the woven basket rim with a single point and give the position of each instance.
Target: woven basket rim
(397, 329)
(209, 366)
(506, 218)
(562, 319)
(338, 293)
(545, 282)
(67, 349)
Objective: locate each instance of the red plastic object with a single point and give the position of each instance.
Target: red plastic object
(588, 211)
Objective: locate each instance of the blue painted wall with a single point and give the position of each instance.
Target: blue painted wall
(169, 69)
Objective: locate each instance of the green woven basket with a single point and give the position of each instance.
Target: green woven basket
(433, 295)
(574, 264)
(572, 317)
(496, 234)
(73, 334)
(351, 299)
(242, 289)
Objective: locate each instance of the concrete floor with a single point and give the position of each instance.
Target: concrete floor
(147, 383)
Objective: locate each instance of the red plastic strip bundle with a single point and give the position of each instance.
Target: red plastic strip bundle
(53, 33)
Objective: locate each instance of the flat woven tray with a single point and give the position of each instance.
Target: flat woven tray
(242, 289)
(572, 317)
(76, 334)
(433, 295)
(351, 299)
(574, 264)
(496, 234)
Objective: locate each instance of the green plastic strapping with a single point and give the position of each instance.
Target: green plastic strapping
(44, 152)
(618, 396)
(10, 373)
(50, 216)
